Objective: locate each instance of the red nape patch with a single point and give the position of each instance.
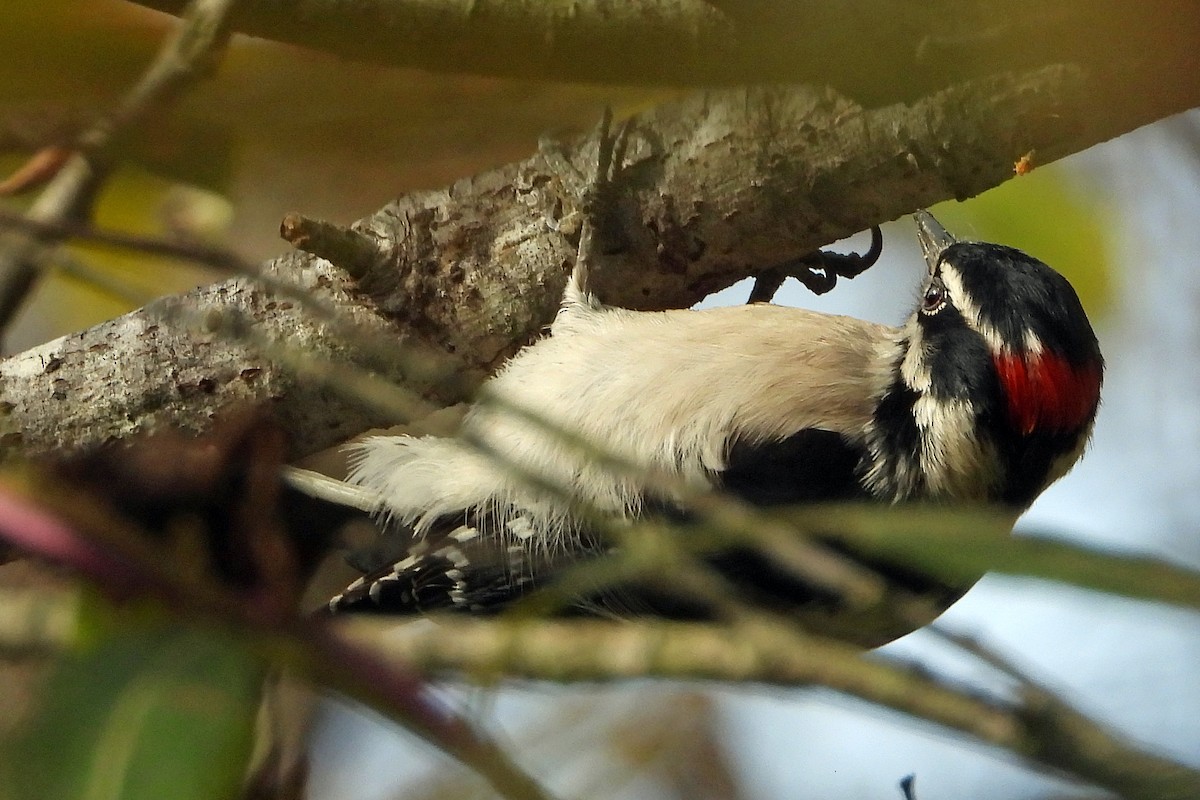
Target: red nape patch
(1046, 393)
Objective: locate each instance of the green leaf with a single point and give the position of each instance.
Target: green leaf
(150, 713)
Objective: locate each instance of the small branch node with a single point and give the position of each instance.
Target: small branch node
(345, 248)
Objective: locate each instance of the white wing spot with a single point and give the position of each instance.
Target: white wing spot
(464, 534)
(404, 564)
(455, 556)
(520, 527)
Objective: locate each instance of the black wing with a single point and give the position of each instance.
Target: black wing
(811, 466)
(464, 564)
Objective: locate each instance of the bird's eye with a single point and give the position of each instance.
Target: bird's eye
(935, 297)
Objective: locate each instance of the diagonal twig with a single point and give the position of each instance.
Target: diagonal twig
(120, 556)
(189, 54)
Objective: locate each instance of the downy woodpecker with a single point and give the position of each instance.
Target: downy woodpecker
(986, 395)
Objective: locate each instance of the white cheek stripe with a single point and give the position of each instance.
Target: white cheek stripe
(955, 462)
(952, 280)
(913, 369)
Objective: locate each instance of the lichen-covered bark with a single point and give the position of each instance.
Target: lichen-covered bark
(164, 364)
(715, 187)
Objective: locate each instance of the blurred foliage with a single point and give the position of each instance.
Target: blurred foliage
(1046, 214)
(139, 710)
(960, 544)
(612, 744)
(277, 129)
(58, 53)
(90, 284)
(138, 201)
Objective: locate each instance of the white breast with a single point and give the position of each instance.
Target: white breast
(666, 390)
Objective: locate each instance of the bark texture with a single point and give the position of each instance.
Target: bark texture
(716, 187)
(877, 52)
(173, 362)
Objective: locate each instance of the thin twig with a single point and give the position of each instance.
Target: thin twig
(958, 543)
(345, 248)
(57, 229)
(1060, 735)
(188, 54)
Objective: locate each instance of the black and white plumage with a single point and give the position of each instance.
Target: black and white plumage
(986, 394)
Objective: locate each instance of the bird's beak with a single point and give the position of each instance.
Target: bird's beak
(933, 237)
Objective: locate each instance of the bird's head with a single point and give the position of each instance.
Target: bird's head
(1040, 342)
(1000, 365)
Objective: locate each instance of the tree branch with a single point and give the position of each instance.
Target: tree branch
(877, 52)
(715, 187)
(960, 545)
(1036, 726)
